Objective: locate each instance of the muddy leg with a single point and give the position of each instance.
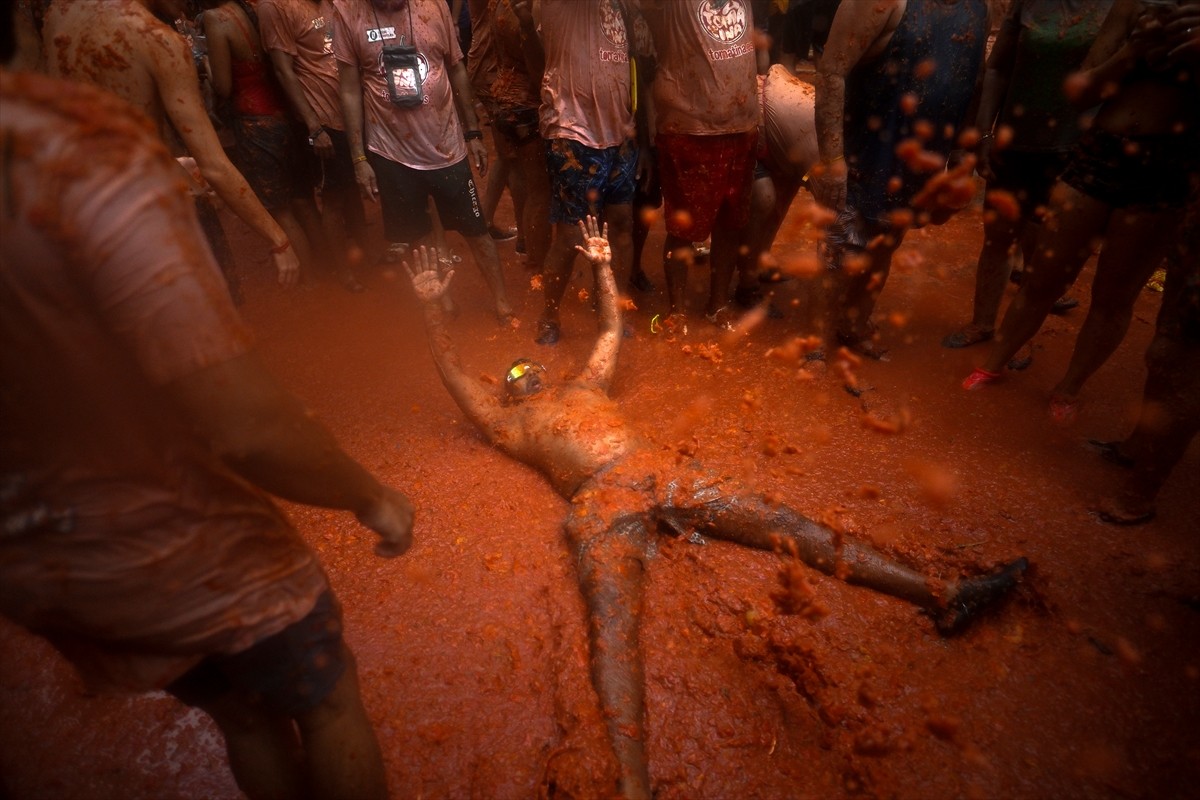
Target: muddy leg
(1132, 250)
(1069, 235)
(611, 576)
(749, 521)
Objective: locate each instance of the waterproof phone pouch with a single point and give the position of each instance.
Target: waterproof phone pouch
(403, 70)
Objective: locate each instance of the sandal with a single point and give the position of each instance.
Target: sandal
(979, 378)
(1111, 452)
(1112, 512)
(972, 334)
(1064, 410)
(1064, 304)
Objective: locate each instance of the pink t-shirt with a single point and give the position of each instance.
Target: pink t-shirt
(706, 66)
(126, 540)
(586, 88)
(304, 30)
(428, 136)
(509, 84)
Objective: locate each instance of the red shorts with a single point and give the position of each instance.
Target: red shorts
(705, 178)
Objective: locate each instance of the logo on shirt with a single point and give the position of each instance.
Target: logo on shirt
(613, 26)
(380, 34)
(726, 22)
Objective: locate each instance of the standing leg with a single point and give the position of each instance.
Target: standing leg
(1068, 238)
(991, 276)
(556, 276)
(264, 752)
(677, 257)
(483, 248)
(1170, 413)
(535, 211)
(726, 241)
(343, 757)
(859, 282)
(619, 219)
(1133, 249)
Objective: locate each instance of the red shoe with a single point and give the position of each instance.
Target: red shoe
(1064, 410)
(979, 378)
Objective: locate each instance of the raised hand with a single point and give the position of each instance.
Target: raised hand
(428, 284)
(595, 247)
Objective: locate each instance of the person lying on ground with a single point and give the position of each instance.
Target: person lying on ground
(623, 489)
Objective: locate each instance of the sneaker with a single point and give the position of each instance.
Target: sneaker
(501, 234)
(1064, 304)
(979, 378)
(547, 332)
(977, 594)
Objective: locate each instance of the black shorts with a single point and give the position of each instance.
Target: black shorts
(518, 126)
(1132, 171)
(265, 151)
(403, 192)
(292, 671)
(1028, 177)
(336, 173)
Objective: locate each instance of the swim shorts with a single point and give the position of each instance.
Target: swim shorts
(1132, 171)
(403, 192)
(705, 179)
(586, 179)
(292, 671)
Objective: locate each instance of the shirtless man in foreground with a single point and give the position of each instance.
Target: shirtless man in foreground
(128, 48)
(624, 488)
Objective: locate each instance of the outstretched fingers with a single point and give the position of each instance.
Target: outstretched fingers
(590, 228)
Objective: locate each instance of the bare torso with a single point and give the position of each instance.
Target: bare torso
(111, 44)
(568, 433)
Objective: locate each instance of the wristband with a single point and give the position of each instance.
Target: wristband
(473, 134)
(312, 136)
(283, 248)
(359, 158)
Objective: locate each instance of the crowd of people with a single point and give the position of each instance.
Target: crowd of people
(139, 413)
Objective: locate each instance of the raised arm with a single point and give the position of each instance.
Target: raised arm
(602, 364)
(481, 407)
(179, 89)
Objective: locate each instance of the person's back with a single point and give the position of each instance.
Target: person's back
(98, 286)
(121, 46)
(109, 43)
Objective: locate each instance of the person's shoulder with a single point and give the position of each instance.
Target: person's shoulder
(83, 105)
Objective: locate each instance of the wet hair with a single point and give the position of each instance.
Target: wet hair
(520, 368)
